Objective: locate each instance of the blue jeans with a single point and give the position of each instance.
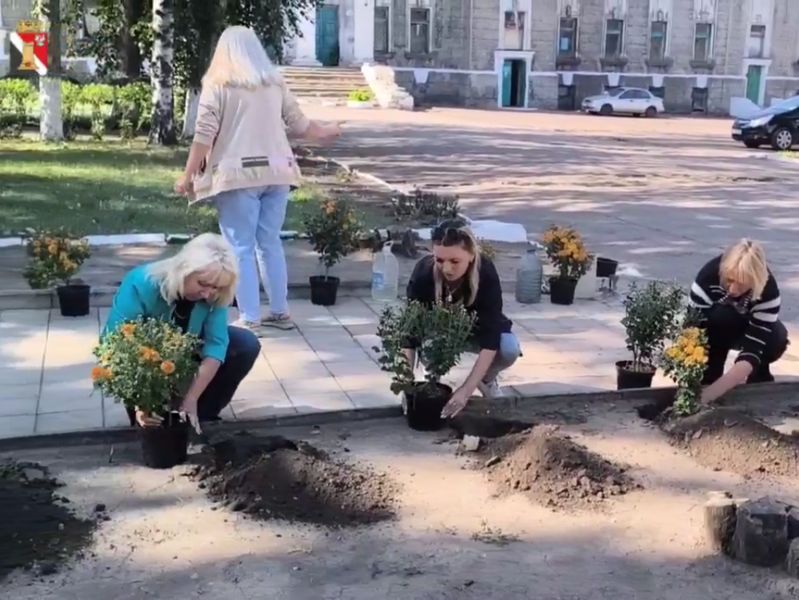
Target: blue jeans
(251, 219)
(508, 352)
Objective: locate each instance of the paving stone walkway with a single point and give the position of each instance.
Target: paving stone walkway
(326, 364)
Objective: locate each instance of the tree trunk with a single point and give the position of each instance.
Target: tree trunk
(162, 131)
(720, 523)
(51, 126)
(129, 49)
(190, 114)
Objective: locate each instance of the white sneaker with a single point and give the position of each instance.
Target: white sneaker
(490, 389)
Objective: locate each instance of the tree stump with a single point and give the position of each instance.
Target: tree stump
(792, 560)
(720, 523)
(761, 532)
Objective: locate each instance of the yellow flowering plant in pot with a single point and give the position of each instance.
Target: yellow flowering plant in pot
(567, 253)
(685, 361)
(56, 257)
(149, 365)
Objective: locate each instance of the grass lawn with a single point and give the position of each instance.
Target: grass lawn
(99, 188)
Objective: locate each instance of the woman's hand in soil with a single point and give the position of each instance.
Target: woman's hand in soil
(147, 420)
(456, 404)
(189, 407)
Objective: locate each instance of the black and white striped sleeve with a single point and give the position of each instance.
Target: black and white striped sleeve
(700, 295)
(762, 316)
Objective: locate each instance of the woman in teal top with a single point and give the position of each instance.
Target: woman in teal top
(193, 289)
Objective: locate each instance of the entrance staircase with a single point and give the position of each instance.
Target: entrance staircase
(323, 85)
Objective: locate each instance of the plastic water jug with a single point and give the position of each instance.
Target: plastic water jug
(385, 275)
(528, 278)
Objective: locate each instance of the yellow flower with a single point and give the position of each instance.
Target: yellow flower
(167, 367)
(52, 249)
(128, 329)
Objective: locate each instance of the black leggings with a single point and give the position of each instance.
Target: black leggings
(725, 331)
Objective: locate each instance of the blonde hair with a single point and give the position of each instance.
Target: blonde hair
(208, 252)
(745, 263)
(240, 61)
(465, 239)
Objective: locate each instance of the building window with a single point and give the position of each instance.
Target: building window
(658, 91)
(514, 30)
(567, 39)
(614, 37)
(420, 30)
(657, 40)
(757, 41)
(703, 41)
(381, 29)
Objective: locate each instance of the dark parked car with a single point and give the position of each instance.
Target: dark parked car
(777, 125)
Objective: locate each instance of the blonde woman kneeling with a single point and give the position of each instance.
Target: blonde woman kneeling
(739, 303)
(193, 289)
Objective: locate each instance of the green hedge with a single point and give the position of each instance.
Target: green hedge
(93, 107)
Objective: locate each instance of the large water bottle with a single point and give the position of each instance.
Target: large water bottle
(385, 275)
(528, 278)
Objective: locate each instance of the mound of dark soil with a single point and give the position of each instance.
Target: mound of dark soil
(554, 470)
(725, 439)
(35, 526)
(277, 478)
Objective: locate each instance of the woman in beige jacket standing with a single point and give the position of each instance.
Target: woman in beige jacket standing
(241, 160)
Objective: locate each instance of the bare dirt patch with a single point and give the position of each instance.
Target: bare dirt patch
(552, 469)
(36, 526)
(276, 478)
(729, 440)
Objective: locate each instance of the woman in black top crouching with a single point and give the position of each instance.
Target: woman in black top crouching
(456, 272)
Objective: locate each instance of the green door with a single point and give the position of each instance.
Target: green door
(753, 76)
(507, 82)
(327, 35)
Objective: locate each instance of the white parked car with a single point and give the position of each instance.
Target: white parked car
(628, 101)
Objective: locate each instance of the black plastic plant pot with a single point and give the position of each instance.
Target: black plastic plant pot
(73, 299)
(166, 446)
(561, 291)
(606, 267)
(323, 290)
(628, 378)
(423, 405)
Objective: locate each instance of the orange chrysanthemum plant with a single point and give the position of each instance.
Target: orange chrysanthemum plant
(146, 364)
(55, 257)
(566, 251)
(685, 362)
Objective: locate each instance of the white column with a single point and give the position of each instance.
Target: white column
(364, 31)
(305, 44)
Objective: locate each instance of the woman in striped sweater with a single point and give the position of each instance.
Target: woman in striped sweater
(739, 305)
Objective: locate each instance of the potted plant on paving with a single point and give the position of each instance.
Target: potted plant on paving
(360, 98)
(684, 361)
(334, 231)
(57, 257)
(440, 334)
(149, 364)
(566, 251)
(651, 316)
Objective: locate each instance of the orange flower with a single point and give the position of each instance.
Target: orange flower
(128, 329)
(168, 367)
(100, 374)
(149, 355)
(52, 249)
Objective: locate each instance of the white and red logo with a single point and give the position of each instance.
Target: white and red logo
(31, 40)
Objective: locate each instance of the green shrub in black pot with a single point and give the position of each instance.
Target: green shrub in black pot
(652, 315)
(440, 334)
(334, 230)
